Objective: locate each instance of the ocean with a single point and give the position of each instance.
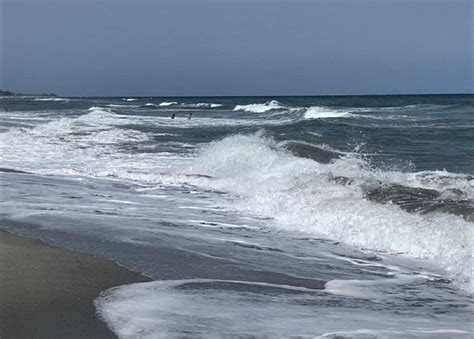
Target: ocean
(331, 217)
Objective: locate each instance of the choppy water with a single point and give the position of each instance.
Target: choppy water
(310, 216)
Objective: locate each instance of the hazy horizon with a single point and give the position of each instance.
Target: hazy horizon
(236, 48)
(233, 96)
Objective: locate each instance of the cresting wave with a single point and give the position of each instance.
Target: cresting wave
(51, 99)
(185, 105)
(88, 145)
(301, 194)
(260, 108)
(167, 103)
(175, 104)
(313, 112)
(274, 107)
(321, 113)
(96, 144)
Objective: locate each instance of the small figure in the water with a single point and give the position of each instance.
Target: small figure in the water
(173, 116)
(190, 116)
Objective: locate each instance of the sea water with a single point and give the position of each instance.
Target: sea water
(259, 216)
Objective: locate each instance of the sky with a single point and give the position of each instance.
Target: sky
(236, 47)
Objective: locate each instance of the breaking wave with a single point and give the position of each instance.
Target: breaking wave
(51, 99)
(122, 106)
(185, 105)
(72, 145)
(204, 105)
(260, 108)
(304, 195)
(167, 103)
(316, 112)
(313, 112)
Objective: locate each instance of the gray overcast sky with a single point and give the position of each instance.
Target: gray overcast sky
(231, 47)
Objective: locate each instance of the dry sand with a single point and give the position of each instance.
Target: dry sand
(46, 292)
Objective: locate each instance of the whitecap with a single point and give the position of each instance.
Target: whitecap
(260, 108)
(301, 194)
(316, 112)
(51, 99)
(167, 103)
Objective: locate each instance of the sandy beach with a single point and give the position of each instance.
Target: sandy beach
(46, 292)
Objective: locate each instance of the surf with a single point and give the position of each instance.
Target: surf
(304, 195)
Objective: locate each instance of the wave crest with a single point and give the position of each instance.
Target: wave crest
(304, 195)
(317, 112)
(167, 103)
(260, 108)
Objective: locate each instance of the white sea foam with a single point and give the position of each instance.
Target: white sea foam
(313, 112)
(260, 108)
(185, 105)
(173, 308)
(90, 144)
(318, 135)
(205, 105)
(122, 106)
(377, 290)
(167, 103)
(300, 194)
(316, 112)
(51, 99)
(83, 145)
(129, 99)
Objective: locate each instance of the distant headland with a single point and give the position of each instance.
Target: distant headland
(13, 94)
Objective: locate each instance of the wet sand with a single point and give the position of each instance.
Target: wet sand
(46, 292)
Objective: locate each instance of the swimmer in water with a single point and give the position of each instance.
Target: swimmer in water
(173, 116)
(190, 116)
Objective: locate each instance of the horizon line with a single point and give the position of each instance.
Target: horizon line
(233, 96)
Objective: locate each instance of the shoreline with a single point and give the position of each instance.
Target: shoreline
(48, 292)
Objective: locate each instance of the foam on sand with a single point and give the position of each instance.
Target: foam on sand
(221, 308)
